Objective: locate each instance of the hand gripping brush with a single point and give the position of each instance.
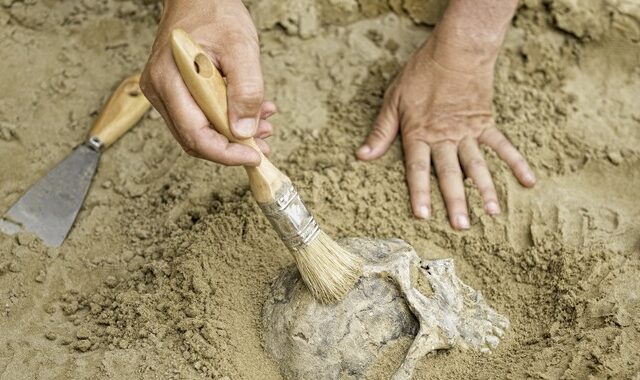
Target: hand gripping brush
(328, 270)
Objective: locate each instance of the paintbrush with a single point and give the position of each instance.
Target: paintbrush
(328, 270)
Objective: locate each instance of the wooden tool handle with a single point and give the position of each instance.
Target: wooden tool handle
(209, 90)
(124, 109)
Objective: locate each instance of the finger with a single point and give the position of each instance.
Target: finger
(497, 141)
(245, 87)
(445, 160)
(264, 147)
(159, 106)
(418, 168)
(148, 89)
(384, 131)
(197, 137)
(172, 128)
(476, 168)
(265, 129)
(267, 110)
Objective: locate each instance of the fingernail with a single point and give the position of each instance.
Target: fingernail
(364, 150)
(423, 212)
(529, 178)
(245, 127)
(492, 208)
(462, 221)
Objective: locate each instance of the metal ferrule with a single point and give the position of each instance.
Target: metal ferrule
(290, 218)
(94, 143)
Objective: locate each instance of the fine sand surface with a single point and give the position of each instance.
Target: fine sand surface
(166, 270)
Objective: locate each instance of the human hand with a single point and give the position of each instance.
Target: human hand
(226, 31)
(442, 104)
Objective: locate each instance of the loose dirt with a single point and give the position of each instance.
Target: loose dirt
(166, 270)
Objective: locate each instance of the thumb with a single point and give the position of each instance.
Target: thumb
(245, 88)
(384, 131)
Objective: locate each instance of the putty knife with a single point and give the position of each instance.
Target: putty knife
(50, 206)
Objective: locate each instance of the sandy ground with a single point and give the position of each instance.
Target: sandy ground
(170, 261)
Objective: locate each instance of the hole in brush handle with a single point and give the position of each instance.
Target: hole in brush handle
(203, 65)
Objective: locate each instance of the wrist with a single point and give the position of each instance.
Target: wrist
(462, 55)
(470, 33)
(184, 8)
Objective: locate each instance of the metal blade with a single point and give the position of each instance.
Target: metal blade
(50, 206)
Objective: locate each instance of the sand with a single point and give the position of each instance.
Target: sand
(170, 261)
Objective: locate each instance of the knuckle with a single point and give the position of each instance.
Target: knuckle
(502, 142)
(448, 170)
(379, 132)
(147, 92)
(146, 83)
(520, 163)
(420, 193)
(150, 81)
(418, 166)
(486, 190)
(412, 129)
(391, 95)
(487, 135)
(241, 41)
(190, 146)
(249, 92)
(190, 151)
(455, 202)
(224, 158)
(477, 163)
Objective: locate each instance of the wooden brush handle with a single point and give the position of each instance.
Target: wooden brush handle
(123, 110)
(209, 90)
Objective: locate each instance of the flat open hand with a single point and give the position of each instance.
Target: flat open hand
(441, 103)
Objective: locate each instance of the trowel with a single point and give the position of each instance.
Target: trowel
(49, 208)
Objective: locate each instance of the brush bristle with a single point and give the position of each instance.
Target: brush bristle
(328, 270)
